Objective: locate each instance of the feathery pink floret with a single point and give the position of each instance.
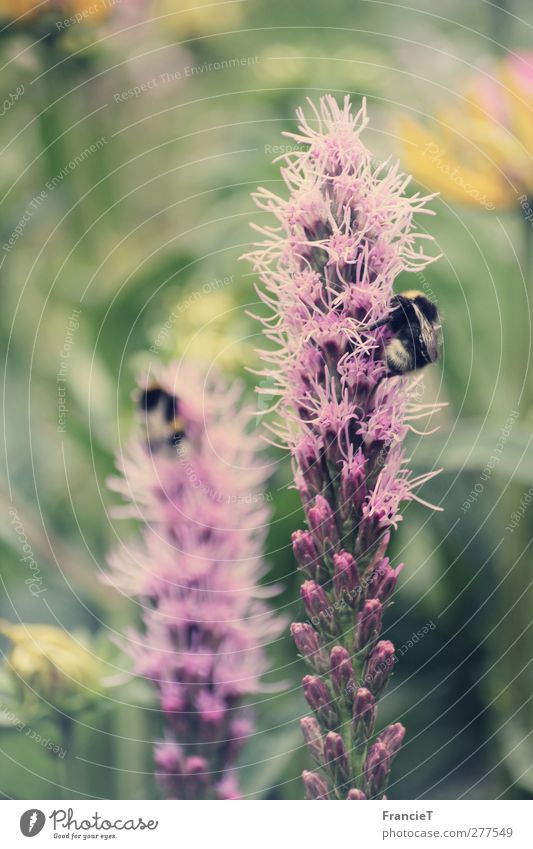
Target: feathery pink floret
(327, 270)
(196, 572)
(327, 267)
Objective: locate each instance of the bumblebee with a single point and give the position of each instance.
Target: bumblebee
(160, 411)
(414, 323)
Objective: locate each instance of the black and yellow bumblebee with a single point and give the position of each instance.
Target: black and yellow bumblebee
(165, 427)
(415, 326)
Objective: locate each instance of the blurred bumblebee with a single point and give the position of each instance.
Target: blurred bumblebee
(160, 411)
(415, 326)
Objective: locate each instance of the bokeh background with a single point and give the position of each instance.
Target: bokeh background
(130, 140)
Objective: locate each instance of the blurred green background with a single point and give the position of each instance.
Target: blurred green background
(130, 143)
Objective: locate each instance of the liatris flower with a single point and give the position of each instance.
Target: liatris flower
(478, 150)
(328, 269)
(195, 481)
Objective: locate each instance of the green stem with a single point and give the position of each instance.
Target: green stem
(528, 274)
(510, 684)
(499, 24)
(53, 138)
(65, 764)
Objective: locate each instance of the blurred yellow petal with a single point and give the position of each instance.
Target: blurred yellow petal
(429, 158)
(521, 105)
(480, 153)
(198, 16)
(207, 325)
(81, 10)
(47, 663)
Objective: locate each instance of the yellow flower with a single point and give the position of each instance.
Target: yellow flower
(198, 16)
(47, 663)
(75, 11)
(208, 325)
(479, 150)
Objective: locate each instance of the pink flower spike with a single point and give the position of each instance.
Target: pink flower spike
(195, 573)
(327, 261)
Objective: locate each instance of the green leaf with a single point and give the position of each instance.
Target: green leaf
(472, 446)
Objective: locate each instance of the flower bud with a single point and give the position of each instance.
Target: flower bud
(356, 794)
(352, 488)
(374, 575)
(392, 737)
(346, 581)
(342, 672)
(168, 756)
(239, 731)
(308, 644)
(320, 700)
(381, 549)
(309, 461)
(305, 553)
(376, 769)
(228, 788)
(313, 738)
(318, 607)
(50, 665)
(388, 583)
(212, 710)
(364, 715)
(322, 524)
(333, 453)
(196, 776)
(173, 700)
(336, 758)
(370, 529)
(383, 580)
(195, 765)
(314, 598)
(379, 666)
(315, 786)
(368, 623)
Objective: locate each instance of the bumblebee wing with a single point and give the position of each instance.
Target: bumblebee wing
(428, 335)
